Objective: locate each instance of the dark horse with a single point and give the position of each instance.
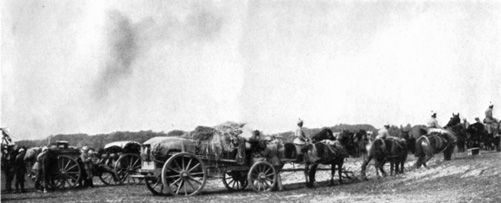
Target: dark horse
(360, 141)
(322, 153)
(395, 152)
(475, 132)
(437, 140)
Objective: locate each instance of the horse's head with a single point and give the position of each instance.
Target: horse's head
(324, 134)
(455, 119)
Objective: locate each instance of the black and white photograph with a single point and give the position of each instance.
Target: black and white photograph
(250, 101)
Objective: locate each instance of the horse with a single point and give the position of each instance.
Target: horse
(436, 141)
(395, 152)
(324, 134)
(475, 132)
(322, 153)
(410, 140)
(360, 141)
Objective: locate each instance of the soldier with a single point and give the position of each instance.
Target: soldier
(8, 165)
(38, 167)
(384, 133)
(87, 161)
(20, 171)
(432, 122)
(489, 120)
(300, 135)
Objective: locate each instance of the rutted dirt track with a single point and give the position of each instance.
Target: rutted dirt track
(464, 179)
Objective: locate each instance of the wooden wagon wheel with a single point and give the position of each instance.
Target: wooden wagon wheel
(262, 176)
(184, 174)
(234, 180)
(127, 165)
(155, 185)
(107, 175)
(69, 172)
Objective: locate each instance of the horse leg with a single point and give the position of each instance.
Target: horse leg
(312, 172)
(364, 166)
(392, 167)
(340, 171)
(381, 167)
(306, 166)
(333, 172)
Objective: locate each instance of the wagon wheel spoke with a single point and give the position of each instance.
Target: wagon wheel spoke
(189, 163)
(191, 178)
(179, 187)
(192, 186)
(67, 164)
(266, 183)
(174, 183)
(174, 176)
(177, 164)
(197, 173)
(196, 166)
(170, 168)
(136, 161)
(182, 163)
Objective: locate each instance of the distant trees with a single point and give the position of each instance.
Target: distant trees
(98, 141)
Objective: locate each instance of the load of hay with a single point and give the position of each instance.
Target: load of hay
(219, 142)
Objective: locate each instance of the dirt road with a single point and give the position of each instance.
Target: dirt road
(464, 179)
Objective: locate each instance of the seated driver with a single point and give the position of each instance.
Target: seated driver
(301, 138)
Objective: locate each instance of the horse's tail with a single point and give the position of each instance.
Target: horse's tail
(419, 151)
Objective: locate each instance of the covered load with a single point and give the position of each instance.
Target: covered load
(123, 147)
(223, 141)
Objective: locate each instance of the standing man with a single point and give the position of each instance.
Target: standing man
(20, 170)
(38, 167)
(87, 161)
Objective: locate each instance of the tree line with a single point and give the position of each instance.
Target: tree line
(100, 140)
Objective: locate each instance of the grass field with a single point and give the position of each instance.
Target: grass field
(465, 179)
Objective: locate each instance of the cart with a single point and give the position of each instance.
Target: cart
(121, 159)
(176, 166)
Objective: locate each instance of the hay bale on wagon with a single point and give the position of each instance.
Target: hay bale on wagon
(221, 141)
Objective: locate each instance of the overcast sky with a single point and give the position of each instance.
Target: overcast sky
(104, 66)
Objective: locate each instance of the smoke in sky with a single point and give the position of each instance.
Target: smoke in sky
(104, 66)
(122, 41)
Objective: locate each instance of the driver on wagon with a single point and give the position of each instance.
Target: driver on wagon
(301, 138)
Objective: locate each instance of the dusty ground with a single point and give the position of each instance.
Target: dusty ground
(465, 179)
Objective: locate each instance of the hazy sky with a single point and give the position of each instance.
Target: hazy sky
(103, 66)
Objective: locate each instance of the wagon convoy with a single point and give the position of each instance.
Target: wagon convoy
(239, 156)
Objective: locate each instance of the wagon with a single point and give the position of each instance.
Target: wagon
(121, 159)
(179, 166)
(69, 168)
